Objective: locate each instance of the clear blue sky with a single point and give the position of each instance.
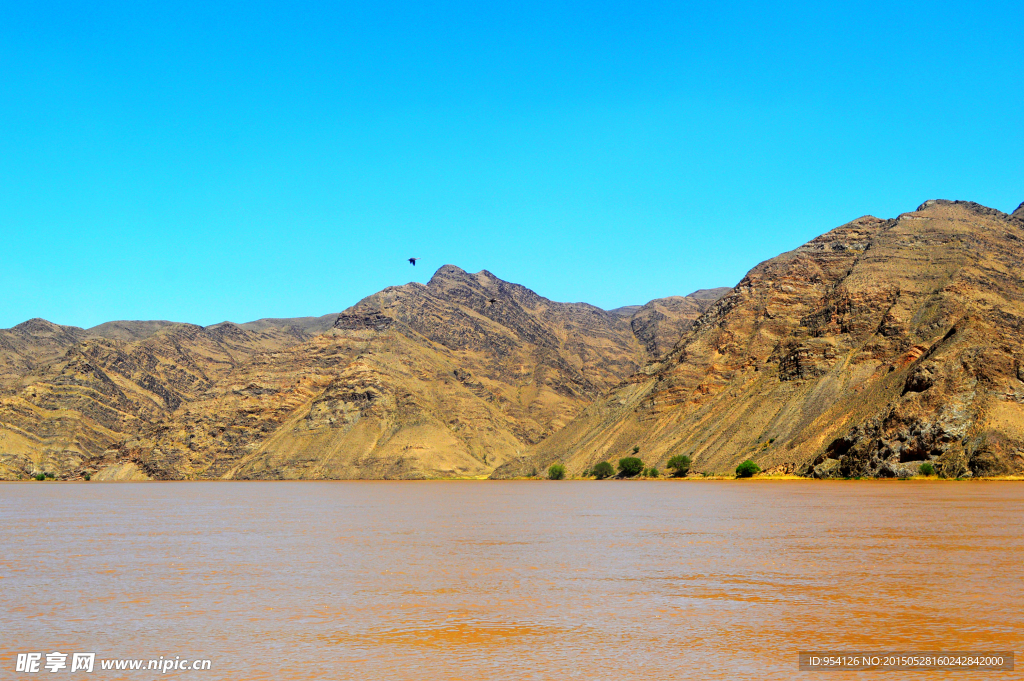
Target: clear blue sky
(209, 161)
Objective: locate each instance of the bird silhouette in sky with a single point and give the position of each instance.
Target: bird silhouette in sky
(412, 261)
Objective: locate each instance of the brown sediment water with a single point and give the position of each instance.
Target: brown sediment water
(508, 580)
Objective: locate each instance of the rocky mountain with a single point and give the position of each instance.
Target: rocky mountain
(450, 378)
(874, 348)
(27, 347)
(662, 322)
(71, 394)
(871, 349)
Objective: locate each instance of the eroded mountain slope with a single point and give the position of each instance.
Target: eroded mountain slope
(448, 378)
(84, 394)
(871, 349)
(662, 322)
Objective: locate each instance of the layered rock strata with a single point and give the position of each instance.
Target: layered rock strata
(445, 379)
(868, 351)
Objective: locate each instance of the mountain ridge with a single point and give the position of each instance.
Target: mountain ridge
(868, 351)
(419, 380)
(872, 349)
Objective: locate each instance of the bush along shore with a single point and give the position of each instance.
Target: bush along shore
(680, 467)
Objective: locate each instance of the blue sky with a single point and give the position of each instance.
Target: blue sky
(210, 161)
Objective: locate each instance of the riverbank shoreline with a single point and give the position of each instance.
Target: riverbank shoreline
(663, 479)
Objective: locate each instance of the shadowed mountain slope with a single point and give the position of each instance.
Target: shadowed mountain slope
(868, 351)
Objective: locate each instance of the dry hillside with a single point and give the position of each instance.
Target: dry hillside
(447, 379)
(866, 352)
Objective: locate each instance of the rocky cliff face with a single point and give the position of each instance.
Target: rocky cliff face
(451, 378)
(868, 351)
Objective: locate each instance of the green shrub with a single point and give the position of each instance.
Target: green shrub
(636, 449)
(680, 465)
(49, 475)
(747, 469)
(39, 476)
(86, 477)
(927, 469)
(556, 471)
(653, 472)
(533, 472)
(603, 470)
(630, 467)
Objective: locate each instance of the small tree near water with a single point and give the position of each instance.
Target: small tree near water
(630, 467)
(680, 465)
(927, 469)
(747, 469)
(603, 470)
(556, 471)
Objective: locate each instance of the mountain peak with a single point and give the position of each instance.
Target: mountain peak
(448, 272)
(447, 275)
(932, 202)
(37, 325)
(711, 294)
(839, 359)
(971, 206)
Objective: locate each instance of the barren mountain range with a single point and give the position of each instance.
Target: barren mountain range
(447, 379)
(871, 349)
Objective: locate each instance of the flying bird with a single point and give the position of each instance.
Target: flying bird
(412, 261)
(492, 301)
